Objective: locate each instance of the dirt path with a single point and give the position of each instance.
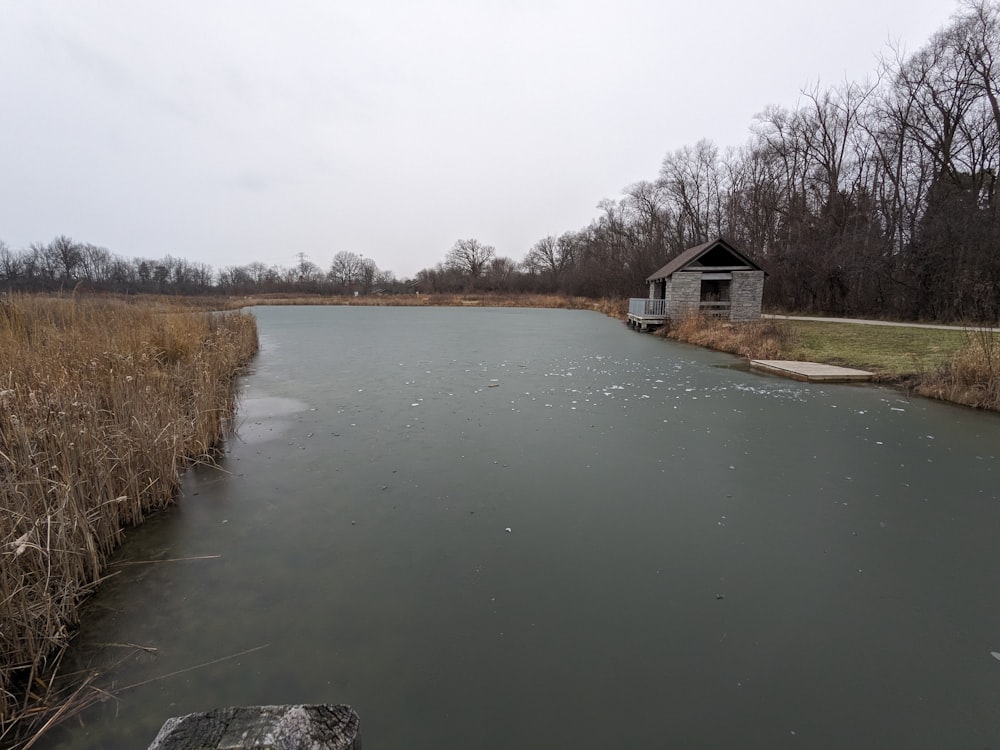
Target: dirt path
(859, 321)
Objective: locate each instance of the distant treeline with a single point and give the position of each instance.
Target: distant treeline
(65, 264)
(870, 199)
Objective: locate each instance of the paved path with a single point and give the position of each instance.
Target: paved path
(879, 323)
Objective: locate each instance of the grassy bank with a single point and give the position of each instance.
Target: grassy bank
(962, 365)
(102, 403)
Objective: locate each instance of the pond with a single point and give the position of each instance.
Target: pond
(500, 528)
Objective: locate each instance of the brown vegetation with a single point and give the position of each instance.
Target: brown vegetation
(102, 402)
(759, 339)
(971, 377)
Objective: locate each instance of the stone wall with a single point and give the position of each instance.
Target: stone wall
(745, 294)
(683, 294)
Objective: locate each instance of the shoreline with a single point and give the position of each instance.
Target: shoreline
(966, 374)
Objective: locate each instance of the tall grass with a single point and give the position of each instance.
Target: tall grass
(971, 376)
(102, 403)
(757, 339)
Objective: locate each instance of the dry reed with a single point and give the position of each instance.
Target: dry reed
(971, 377)
(102, 403)
(757, 339)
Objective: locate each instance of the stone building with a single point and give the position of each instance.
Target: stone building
(711, 279)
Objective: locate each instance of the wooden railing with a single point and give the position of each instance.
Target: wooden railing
(650, 308)
(657, 308)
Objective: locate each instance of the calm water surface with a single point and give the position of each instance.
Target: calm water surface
(496, 528)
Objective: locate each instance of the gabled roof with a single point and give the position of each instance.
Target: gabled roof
(692, 254)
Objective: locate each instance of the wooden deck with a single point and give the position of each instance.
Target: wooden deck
(647, 314)
(812, 372)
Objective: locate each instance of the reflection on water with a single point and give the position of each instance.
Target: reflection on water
(697, 556)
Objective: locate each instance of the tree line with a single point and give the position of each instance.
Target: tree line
(65, 264)
(875, 198)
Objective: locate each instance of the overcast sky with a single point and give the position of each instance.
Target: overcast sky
(252, 130)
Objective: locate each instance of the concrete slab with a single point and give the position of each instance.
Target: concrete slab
(813, 372)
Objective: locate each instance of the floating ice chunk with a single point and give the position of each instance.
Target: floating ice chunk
(507, 529)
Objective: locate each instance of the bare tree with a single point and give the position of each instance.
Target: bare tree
(832, 121)
(235, 279)
(367, 273)
(64, 256)
(470, 257)
(500, 272)
(11, 265)
(551, 257)
(346, 268)
(95, 263)
(975, 36)
(754, 199)
(692, 179)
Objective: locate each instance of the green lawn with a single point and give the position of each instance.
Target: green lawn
(888, 351)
